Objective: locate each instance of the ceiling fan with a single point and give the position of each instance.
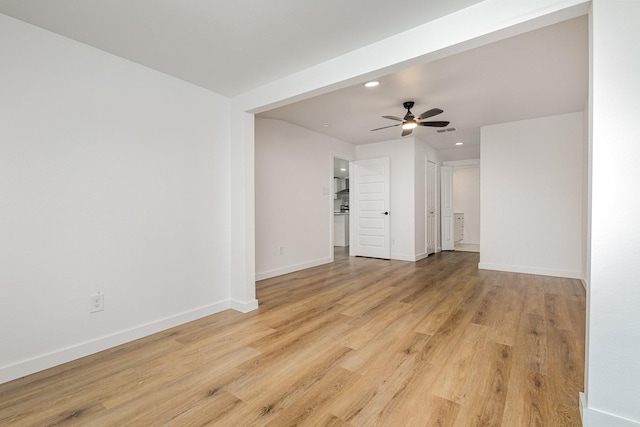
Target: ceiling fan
(410, 122)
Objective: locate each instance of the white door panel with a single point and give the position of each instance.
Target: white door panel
(446, 196)
(369, 208)
(430, 199)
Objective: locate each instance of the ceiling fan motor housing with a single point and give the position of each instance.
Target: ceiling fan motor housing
(409, 122)
(408, 105)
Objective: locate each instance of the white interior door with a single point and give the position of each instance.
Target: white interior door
(369, 209)
(446, 200)
(430, 199)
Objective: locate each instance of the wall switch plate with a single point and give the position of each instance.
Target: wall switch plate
(96, 302)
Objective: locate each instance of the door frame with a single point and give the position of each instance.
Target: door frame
(354, 218)
(446, 193)
(332, 156)
(454, 164)
(436, 194)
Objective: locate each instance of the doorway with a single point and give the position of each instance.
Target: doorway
(340, 205)
(461, 195)
(466, 206)
(370, 205)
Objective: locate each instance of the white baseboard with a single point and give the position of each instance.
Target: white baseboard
(421, 256)
(530, 270)
(243, 307)
(403, 257)
(64, 355)
(583, 279)
(594, 418)
(291, 268)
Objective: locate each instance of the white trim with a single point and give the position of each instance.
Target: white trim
(243, 307)
(64, 355)
(530, 270)
(458, 163)
(403, 257)
(436, 197)
(341, 156)
(421, 256)
(291, 268)
(594, 418)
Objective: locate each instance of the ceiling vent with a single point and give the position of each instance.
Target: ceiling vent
(446, 130)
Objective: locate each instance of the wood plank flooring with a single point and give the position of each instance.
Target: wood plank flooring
(360, 342)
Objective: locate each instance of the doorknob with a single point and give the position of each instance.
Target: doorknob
(385, 213)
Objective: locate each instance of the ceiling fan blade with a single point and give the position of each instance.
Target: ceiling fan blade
(393, 118)
(384, 127)
(406, 132)
(434, 124)
(430, 113)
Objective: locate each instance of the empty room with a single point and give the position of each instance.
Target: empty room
(178, 248)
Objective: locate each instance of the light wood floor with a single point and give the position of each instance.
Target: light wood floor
(361, 342)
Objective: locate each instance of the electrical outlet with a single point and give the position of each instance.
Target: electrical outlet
(281, 250)
(96, 302)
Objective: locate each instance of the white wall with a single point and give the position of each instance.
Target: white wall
(612, 383)
(531, 192)
(113, 178)
(407, 185)
(293, 168)
(466, 200)
(401, 153)
(293, 165)
(242, 267)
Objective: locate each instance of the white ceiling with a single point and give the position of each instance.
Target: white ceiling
(231, 47)
(228, 46)
(536, 74)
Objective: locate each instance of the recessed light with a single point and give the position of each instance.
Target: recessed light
(326, 125)
(459, 143)
(371, 84)
(343, 169)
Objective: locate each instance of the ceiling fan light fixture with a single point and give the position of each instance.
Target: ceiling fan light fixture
(409, 124)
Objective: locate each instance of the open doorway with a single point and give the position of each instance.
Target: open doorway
(340, 206)
(460, 195)
(466, 206)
